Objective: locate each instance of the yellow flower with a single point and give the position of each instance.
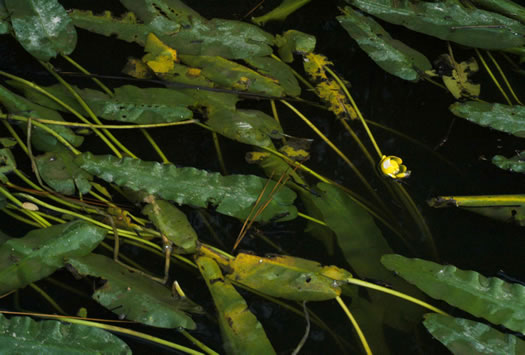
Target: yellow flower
(392, 166)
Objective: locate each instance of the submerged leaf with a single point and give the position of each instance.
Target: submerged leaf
(491, 298)
(391, 55)
(505, 118)
(457, 79)
(42, 27)
(23, 335)
(449, 21)
(134, 296)
(232, 195)
(464, 337)
(241, 331)
(288, 277)
(515, 164)
(42, 251)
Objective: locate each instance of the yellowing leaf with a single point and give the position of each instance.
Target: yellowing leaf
(161, 58)
(331, 92)
(458, 82)
(314, 65)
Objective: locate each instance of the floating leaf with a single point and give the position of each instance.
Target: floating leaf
(457, 77)
(42, 251)
(280, 12)
(288, 277)
(277, 70)
(504, 7)
(293, 41)
(464, 337)
(241, 331)
(449, 21)
(505, 208)
(515, 164)
(60, 172)
(505, 118)
(232, 195)
(42, 27)
(491, 298)
(134, 296)
(172, 223)
(23, 335)
(391, 55)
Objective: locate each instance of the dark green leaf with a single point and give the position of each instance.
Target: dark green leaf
(449, 21)
(491, 298)
(391, 55)
(23, 335)
(4, 19)
(241, 331)
(505, 118)
(232, 195)
(515, 164)
(42, 251)
(465, 337)
(504, 7)
(135, 296)
(42, 27)
(277, 70)
(7, 163)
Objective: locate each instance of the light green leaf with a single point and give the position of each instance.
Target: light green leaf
(134, 296)
(293, 41)
(42, 27)
(281, 12)
(42, 251)
(491, 298)
(465, 337)
(232, 195)
(23, 335)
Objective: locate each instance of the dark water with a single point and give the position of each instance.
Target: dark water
(419, 110)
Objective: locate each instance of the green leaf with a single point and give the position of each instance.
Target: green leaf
(505, 7)
(293, 41)
(134, 296)
(42, 140)
(7, 163)
(391, 55)
(288, 277)
(280, 12)
(465, 337)
(491, 298)
(23, 335)
(4, 19)
(3, 236)
(232, 195)
(241, 331)
(42, 251)
(515, 164)
(277, 70)
(505, 118)
(42, 27)
(172, 223)
(449, 21)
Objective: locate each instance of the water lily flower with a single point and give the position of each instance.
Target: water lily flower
(392, 166)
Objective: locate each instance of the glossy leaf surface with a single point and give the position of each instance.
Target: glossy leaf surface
(23, 335)
(232, 195)
(42, 251)
(515, 164)
(133, 296)
(42, 27)
(464, 337)
(491, 298)
(241, 331)
(277, 70)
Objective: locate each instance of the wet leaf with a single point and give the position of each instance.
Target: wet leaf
(59, 171)
(42, 140)
(136, 297)
(505, 7)
(505, 208)
(23, 335)
(42, 27)
(449, 21)
(491, 298)
(288, 277)
(278, 71)
(464, 337)
(172, 223)
(515, 164)
(280, 12)
(42, 251)
(232, 195)
(241, 331)
(293, 41)
(505, 118)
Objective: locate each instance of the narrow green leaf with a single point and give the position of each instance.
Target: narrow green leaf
(491, 298)
(516, 164)
(241, 331)
(281, 12)
(505, 118)
(42, 251)
(42, 27)
(134, 296)
(465, 337)
(232, 195)
(23, 335)
(449, 21)
(391, 55)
